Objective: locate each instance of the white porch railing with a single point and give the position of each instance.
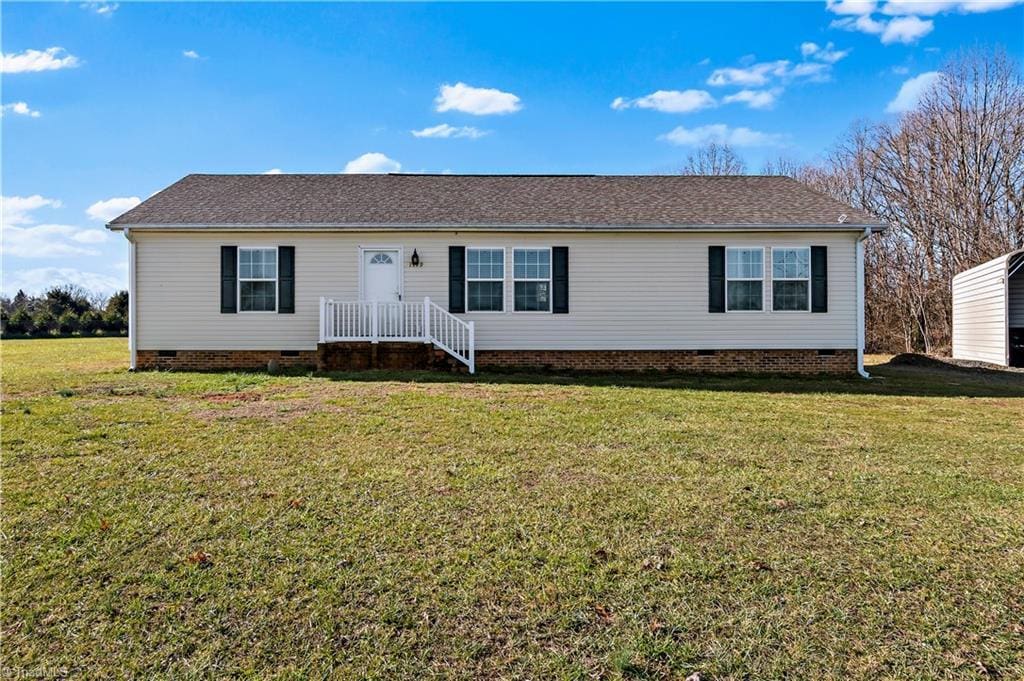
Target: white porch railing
(375, 322)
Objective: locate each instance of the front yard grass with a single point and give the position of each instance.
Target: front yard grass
(400, 526)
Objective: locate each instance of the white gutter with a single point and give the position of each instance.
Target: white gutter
(860, 302)
(487, 227)
(132, 315)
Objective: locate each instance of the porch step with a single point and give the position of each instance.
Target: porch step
(445, 362)
(355, 324)
(361, 356)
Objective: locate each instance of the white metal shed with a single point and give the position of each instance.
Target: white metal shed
(988, 311)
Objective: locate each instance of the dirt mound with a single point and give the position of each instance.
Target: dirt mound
(913, 359)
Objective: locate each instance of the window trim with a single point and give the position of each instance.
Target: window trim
(550, 279)
(810, 277)
(504, 276)
(240, 279)
(761, 279)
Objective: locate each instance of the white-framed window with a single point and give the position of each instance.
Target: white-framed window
(257, 279)
(531, 279)
(744, 279)
(791, 279)
(485, 280)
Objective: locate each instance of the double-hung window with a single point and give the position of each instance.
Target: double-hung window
(744, 279)
(257, 279)
(791, 279)
(531, 274)
(485, 279)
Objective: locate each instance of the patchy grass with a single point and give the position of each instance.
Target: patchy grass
(392, 526)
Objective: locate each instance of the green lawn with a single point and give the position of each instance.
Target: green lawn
(400, 526)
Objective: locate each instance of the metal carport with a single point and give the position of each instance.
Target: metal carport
(988, 311)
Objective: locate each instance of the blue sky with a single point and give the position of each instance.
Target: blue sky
(106, 102)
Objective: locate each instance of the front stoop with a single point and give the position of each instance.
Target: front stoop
(360, 356)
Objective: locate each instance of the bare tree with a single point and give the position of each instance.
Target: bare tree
(948, 178)
(782, 165)
(714, 159)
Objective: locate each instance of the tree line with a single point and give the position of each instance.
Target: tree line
(946, 177)
(64, 311)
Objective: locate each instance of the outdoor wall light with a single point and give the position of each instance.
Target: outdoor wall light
(415, 260)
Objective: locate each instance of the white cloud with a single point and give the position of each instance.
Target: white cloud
(911, 92)
(37, 280)
(23, 238)
(906, 25)
(979, 6)
(850, 7)
(762, 73)
(50, 59)
(864, 24)
(925, 8)
(105, 9)
(755, 99)
(90, 236)
(191, 54)
(828, 54)
(445, 131)
(20, 108)
(273, 171)
(906, 30)
(110, 208)
(479, 101)
(17, 210)
(722, 134)
(373, 162)
(50, 241)
(753, 75)
(928, 8)
(901, 70)
(812, 71)
(668, 101)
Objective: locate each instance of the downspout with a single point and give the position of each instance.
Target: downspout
(860, 302)
(132, 316)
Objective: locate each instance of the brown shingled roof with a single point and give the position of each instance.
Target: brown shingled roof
(492, 201)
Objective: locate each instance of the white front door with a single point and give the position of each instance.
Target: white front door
(381, 272)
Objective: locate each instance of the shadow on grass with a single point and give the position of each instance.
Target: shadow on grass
(887, 380)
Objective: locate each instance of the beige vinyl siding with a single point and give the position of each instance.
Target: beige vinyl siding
(626, 291)
(1016, 302)
(979, 313)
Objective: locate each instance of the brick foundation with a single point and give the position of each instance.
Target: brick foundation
(207, 360)
(405, 356)
(688, 361)
(394, 356)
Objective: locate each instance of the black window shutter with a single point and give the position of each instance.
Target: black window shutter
(560, 280)
(716, 278)
(286, 279)
(456, 278)
(819, 278)
(228, 278)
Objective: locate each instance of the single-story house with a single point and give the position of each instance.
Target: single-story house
(988, 312)
(708, 274)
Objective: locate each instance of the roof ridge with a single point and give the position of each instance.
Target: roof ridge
(453, 175)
